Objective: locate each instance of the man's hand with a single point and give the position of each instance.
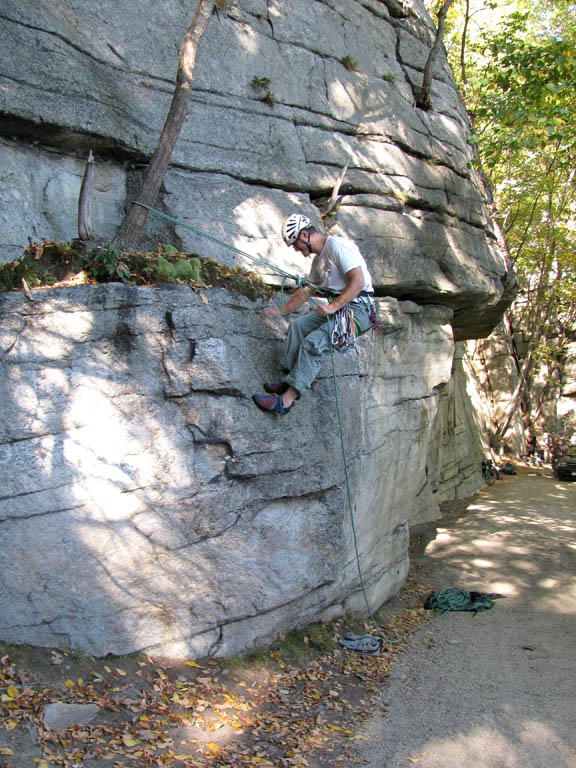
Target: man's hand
(295, 301)
(354, 284)
(269, 312)
(325, 310)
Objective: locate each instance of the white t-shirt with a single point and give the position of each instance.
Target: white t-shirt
(334, 261)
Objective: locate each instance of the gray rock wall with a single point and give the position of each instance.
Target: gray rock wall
(470, 410)
(147, 504)
(75, 77)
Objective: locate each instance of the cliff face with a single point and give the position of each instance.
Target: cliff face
(146, 502)
(75, 78)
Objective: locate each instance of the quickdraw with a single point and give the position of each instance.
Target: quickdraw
(344, 329)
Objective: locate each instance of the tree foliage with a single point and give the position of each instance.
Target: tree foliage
(518, 73)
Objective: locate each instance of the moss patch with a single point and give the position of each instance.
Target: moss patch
(73, 263)
(42, 264)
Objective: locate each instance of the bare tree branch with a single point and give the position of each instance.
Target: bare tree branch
(85, 201)
(463, 51)
(332, 202)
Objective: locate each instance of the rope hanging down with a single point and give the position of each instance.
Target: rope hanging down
(301, 283)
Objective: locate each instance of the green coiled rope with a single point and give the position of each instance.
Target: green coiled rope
(454, 599)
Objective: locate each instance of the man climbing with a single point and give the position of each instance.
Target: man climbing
(340, 270)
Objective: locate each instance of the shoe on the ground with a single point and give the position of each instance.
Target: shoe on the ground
(271, 403)
(361, 643)
(276, 389)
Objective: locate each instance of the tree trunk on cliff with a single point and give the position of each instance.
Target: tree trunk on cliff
(463, 74)
(132, 227)
(424, 97)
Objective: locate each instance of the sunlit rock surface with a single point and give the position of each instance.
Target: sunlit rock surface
(148, 504)
(276, 112)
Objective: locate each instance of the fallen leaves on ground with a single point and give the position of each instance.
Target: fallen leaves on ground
(208, 714)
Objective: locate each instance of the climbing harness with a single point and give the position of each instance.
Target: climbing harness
(347, 327)
(373, 317)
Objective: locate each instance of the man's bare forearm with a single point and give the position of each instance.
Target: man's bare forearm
(298, 299)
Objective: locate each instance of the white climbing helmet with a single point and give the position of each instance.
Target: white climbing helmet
(292, 227)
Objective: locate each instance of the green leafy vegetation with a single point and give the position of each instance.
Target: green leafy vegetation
(186, 270)
(350, 63)
(262, 84)
(108, 266)
(516, 66)
(68, 264)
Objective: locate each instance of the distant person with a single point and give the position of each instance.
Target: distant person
(340, 269)
(532, 445)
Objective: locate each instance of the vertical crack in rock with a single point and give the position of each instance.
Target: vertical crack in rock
(170, 322)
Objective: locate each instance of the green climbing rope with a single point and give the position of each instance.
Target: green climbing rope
(286, 275)
(448, 599)
(455, 599)
(301, 283)
(347, 479)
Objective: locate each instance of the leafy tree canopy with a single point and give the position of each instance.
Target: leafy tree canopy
(516, 63)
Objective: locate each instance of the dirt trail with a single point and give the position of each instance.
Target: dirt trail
(495, 690)
(491, 691)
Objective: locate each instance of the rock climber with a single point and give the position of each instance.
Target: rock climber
(340, 270)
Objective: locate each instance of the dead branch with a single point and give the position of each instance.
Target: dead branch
(333, 201)
(85, 201)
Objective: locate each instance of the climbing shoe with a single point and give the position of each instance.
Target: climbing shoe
(276, 389)
(279, 389)
(271, 403)
(361, 643)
